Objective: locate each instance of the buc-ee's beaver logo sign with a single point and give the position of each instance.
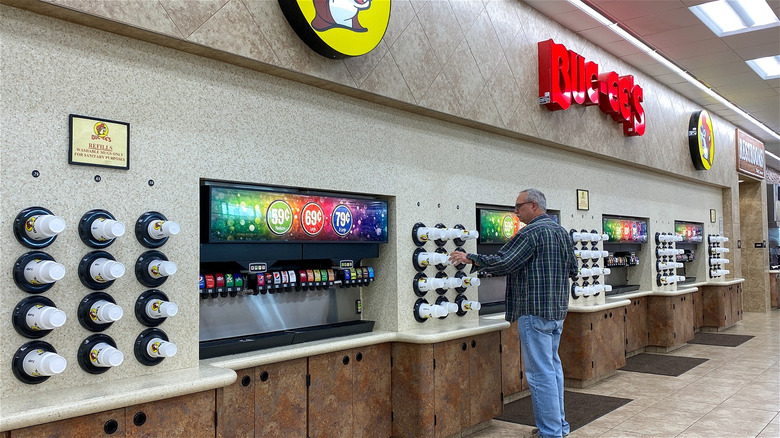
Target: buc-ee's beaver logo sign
(338, 28)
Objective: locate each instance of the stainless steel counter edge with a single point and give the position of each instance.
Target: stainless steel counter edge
(74, 402)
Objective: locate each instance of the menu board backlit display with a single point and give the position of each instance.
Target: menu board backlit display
(691, 232)
(625, 230)
(246, 215)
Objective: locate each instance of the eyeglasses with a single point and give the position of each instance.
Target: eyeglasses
(517, 206)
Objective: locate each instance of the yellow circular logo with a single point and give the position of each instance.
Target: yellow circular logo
(101, 129)
(338, 28)
(701, 140)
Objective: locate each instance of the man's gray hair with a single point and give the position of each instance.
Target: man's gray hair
(536, 196)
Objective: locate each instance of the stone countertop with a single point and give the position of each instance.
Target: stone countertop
(76, 401)
(424, 335)
(610, 304)
(211, 374)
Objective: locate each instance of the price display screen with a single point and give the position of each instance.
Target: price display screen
(691, 232)
(497, 226)
(246, 215)
(625, 230)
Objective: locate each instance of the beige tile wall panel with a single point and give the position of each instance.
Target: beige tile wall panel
(194, 118)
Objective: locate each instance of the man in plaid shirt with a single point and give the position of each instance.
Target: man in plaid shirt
(538, 263)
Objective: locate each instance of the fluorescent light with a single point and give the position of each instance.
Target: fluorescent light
(614, 27)
(730, 17)
(767, 68)
(772, 155)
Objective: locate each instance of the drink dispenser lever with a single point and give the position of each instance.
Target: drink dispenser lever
(37, 227)
(153, 229)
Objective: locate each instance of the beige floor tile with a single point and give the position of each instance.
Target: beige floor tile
(659, 422)
(772, 430)
(736, 393)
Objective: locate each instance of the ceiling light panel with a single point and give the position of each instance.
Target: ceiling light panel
(731, 17)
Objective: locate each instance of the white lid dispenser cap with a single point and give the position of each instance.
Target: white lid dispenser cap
(43, 363)
(107, 312)
(162, 229)
(161, 348)
(43, 271)
(104, 355)
(45, 317)
(107, 229)
(161, 309)
(45, 226)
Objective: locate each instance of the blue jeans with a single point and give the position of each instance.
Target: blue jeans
(539, 340)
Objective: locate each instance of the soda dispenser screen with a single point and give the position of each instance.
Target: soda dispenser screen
(497, 226)
(249, 215)
(691, 232)
(625, 230)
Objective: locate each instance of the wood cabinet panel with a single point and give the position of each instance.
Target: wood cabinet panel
(512, 372)
(484, 386)
(698, 315)
(185, 416)
(413, 390)
(280, 399)
(235, 406)
(636, 324)
(93, 425)
(330, 395)
(450, 381)
(371, 402)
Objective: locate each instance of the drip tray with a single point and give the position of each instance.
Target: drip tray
(243, 344)
(617, 290)
(320, 332)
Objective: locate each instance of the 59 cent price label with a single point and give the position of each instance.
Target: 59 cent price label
(279, 217)
(312, 219)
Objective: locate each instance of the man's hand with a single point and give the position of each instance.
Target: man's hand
(458, 257)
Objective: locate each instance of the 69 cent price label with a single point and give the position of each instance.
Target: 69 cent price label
(312, 219)
(279, 217)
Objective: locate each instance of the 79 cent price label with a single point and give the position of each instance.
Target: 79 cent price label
(312, 219)
(279, 217)
(341, 220)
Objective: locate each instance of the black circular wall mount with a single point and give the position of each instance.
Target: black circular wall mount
(142, 341)
(20, 227)
(20, 316)
(17, 363)
(85, 350)
(18, 274)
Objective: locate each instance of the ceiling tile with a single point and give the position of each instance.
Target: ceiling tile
(577, 21)
(680, 35)
(600, 36)
(671, 19)
(701, 60)
(754, 38)
(695, 48)
(759, 51)
(551, 7)
(626, 10)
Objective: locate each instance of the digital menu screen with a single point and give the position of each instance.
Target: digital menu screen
(691, 232)
(625, 230)
(497, 226)
(247, 215)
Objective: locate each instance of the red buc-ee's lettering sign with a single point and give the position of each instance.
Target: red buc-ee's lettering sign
(566, 78)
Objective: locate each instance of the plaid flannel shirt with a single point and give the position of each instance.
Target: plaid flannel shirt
(538, 262)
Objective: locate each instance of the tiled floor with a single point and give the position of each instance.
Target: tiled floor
(736, 393)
